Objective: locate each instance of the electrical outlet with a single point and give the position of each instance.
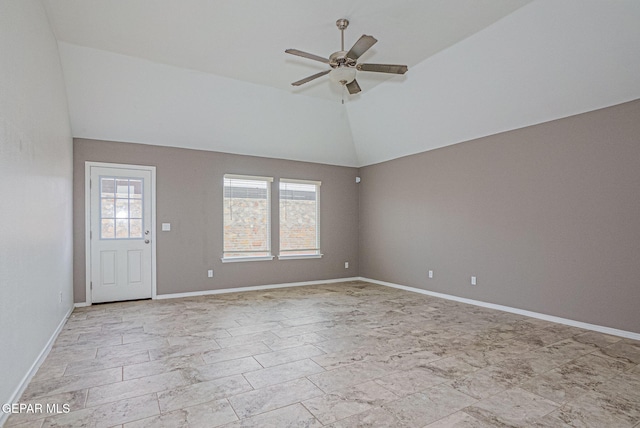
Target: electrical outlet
(431, 274)
(473, 280)
(346, 265)
(210, 273)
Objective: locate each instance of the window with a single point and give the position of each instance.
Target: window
(120, 208)
(247, 220)
(299, 218)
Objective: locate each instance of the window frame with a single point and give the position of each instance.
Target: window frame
(235, 259)
(318, 253)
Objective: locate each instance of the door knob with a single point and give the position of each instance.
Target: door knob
(146, 241)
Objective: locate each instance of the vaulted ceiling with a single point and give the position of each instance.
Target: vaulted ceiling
(213, 75)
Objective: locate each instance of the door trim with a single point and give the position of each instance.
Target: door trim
(87, 222)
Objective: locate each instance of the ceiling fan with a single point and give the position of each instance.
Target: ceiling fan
(344, 64)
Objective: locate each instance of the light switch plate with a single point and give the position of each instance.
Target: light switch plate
(166, 227)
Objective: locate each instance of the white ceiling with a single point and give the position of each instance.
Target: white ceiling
(213, 75)
(246, 39)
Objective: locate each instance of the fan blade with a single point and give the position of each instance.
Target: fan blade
(310, 78)
(307, 55)
(353, 87)
(361, 46)
(383, 68)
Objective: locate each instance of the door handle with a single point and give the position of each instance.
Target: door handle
(146, 241)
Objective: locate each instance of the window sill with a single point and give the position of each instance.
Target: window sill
(246, 259)
(298, 257)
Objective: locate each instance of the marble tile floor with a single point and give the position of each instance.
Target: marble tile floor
(349, 354)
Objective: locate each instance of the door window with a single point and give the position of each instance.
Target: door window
(121, 208)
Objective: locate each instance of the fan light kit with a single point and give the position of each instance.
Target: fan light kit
(344, 64)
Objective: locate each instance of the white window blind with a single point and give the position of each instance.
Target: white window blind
(247, 222)
(299, 218)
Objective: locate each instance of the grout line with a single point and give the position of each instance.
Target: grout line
(158, 403)
(232, 408)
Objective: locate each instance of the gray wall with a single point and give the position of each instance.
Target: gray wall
(189, 196)
(547, 217)
(35, 185)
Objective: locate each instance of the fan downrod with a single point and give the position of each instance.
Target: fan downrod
(342, 24)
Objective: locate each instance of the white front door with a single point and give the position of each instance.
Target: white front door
(120, 233)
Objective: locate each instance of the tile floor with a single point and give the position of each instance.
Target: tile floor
(341, 355)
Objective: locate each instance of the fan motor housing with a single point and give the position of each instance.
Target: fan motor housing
(338, 59)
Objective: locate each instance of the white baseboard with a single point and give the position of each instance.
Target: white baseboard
(81, 305)
(34, 368)
(253, 288)
(551, 318)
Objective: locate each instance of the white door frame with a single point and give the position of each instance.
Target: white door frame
(87, 221)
